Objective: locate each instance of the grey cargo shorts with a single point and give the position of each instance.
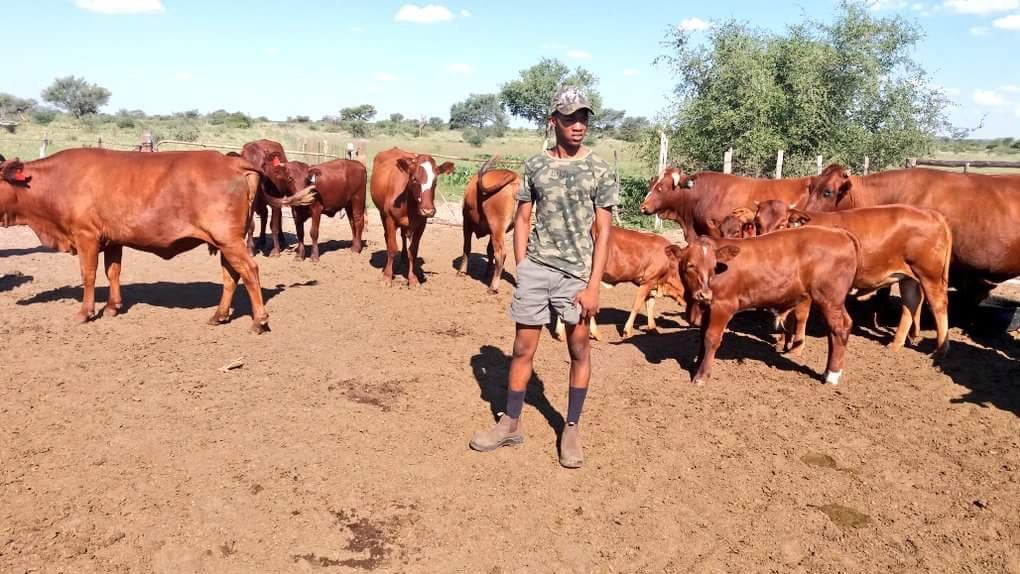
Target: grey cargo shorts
(538, 288)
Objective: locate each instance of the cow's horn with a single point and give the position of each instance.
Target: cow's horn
(676, 179)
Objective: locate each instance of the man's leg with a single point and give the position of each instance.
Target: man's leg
(571, 455)
(506, 431)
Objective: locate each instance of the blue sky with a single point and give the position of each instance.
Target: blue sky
(280, 58)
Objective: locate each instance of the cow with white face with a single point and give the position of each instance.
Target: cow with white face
(403, 188)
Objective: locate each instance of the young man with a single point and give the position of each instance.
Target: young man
(559, 265)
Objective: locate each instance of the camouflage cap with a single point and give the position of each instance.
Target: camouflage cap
(569, 99)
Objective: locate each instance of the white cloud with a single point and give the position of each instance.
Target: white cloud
(694, 24)
(465, 13)
(460, 68)
(428, 14)
(981, 6)
(979, 30)
(183, 76)
(989, 98)
(385, 77)
(1011, 22)
(1011, 88)
(578, 55)
(121, 6)
(631, 72)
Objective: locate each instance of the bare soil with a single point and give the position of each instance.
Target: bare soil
(338, 442)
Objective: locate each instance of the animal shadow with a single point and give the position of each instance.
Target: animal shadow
(478, 269)
(615, 318)
(989, 368)
(333, 245)
(13, 281)
(378, 260)
(491, 368)
(15, 251)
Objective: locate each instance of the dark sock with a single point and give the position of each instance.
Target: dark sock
(514, 403)
(575, 404)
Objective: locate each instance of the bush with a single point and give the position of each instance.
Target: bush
(185, 132)
(632, 192)
(125, 122)
(473, 136)
(237, 120)
(460, 175)
(43, 116)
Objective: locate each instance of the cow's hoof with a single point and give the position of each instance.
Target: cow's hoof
(461, 273)
(493, 291)
(82, 317)
(274, 253)
(315, 258)
(698, 382)
(299, 257)
(218, 319)
(914, 341)
(628, 333)
(112, 309)
(259, 328)
(795, 353)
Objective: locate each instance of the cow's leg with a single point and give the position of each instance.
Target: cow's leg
(356, 217)
(694, 314)
(799, 317)
(936, 292)
(316, 219)
(910, 299)
(496, 240)
(650, 311)
(718, 317)
(560, 332)
(593, 329)
(263, 212)
(390, 232)
(412, 256)
(468, 229)
(112, 256)
(276, 229)
(239, 263)
(300, 214)
(88, 259)
(639, 301)
(230, 277)
(839, 323)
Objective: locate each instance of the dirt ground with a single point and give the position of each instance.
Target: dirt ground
(340, 443)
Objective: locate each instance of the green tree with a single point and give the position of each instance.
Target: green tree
(632, 128)
(436, 123)
(478, 111)
(844, 90)
(529, 96)
(10, 104)
(608, 121)
(362, 113)
(397, 118)
(76, 96)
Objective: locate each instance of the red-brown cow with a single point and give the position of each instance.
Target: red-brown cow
(693, 201)
(780, 271)
(641, 259)
(268, 157)
(982, 211)
(899, 244)
(403, 189)
(339, 184)
(490, 199)
(89, 200)
(737, 225)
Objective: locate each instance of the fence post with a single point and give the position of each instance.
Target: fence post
(325, 150)
(616, 174)
(966, 167)
(867, 164)
(818, 164)
(99, 142)
(779, 165)
(45, 142)
(663, 161)
(727, 162)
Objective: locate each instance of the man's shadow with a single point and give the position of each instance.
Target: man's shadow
(491, 368)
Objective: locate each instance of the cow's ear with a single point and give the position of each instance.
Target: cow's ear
(844, 187)
(652, 181)
(726, 253)
(690, 181)
(404, 165)
(674, 252)
(13, 171)
(796, 218)
(447, 167)
(713, 228)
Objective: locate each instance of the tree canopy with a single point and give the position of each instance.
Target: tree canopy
(529, 96)
(844, 90)
(76, 96)
(477, 111)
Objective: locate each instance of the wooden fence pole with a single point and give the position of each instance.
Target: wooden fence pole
(966, 167)
(727, 162)
(818, 163)
(99, 142)
(45, 142)
(616, 174)
(779, 165)
(867, 165)
(663, 161)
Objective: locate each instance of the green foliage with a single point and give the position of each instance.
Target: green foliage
(299, 119)
(357, 128)
(608, 122)
(76, 96)
(185, 131)
(437, 123)
(44, 116)
(396, 118)
(529, 96)
(478, 111)
(124, 119)
(632, 129)
(632, 192)
(10, 104)
(362, 113)
(843, 90)
(474, 136)
(460, 175)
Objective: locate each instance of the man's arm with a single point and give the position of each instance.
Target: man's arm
(589, 297)
(522, 230)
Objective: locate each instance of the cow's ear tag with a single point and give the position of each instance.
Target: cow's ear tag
(20, 176)
(276, 161)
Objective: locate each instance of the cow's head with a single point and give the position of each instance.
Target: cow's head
(422, 175)
(13, 172)
(830, 190)
(299, 174)
(663, 191)
(275, 168)
(772, 215)
(698, 263)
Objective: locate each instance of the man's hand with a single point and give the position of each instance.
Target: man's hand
(588, 299)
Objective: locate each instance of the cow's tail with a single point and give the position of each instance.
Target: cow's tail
(490, 186)
(306, 196)
(858, 252)
(949, 246)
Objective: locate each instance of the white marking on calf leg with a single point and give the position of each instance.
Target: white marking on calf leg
(832, 377)
(430, 177)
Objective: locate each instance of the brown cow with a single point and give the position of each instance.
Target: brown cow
(403, 189)
(638, 258)
(693, 201)
(899, 244)
(780, 271)
(490, 199)
(982, 211)
(89, 200)
(339, 184)
(737, 225)
(268, 156)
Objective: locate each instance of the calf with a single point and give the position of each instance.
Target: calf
(638, 258)
(339, 184)
(269, 158)
(490, 199)
(737, 225)
(786, 270)
(899, 244)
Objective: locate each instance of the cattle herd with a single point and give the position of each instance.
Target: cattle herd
(786, 245)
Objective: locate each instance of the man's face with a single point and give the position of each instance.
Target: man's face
(571, 129)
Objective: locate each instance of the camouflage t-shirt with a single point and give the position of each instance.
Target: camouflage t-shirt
(565, 193)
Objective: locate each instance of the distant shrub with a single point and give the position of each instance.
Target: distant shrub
(299, 119)
(43, 116)
(473, 136)
(185, 132)
(125, 122)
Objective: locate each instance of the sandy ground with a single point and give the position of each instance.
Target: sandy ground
(340, 444)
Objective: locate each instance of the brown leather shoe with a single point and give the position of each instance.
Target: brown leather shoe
(571, 455)
(503, 433)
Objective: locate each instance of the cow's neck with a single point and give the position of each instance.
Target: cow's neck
(37, 207)
(874, 189)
